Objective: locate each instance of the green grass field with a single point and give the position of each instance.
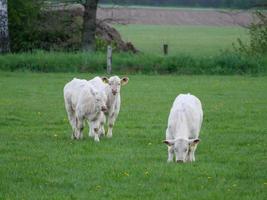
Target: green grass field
(39, 160)
(189, 40)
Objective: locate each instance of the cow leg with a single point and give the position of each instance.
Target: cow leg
(170, 154)
(191, 153)
(79, 128)
(94, 129)
(111, 121)
(102, 120)
(96, 132)
(72, 119)
(91, 129)
(102, 129)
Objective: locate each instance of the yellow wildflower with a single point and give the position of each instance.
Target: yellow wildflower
(126, 174)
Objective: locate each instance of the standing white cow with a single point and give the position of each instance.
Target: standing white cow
(83, 101)
(110, 87)
(183, 129)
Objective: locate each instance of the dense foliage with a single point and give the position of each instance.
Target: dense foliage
(24, 19)
(224, 63)
(258, 36)
(258, 33)
(32, 26)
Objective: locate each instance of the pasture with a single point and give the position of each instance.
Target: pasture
(39, 160)
(204, 41)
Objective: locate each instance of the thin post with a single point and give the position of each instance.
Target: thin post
(165, 49)
(109, 59)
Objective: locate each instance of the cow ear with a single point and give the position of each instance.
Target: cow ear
(193, 142)
(105, 79)
(124, 80)
(168, 142)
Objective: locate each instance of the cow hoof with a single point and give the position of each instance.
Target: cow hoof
(102, 134)
(72, 136)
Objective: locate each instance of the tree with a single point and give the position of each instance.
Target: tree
(89, 25)
(24, 18)
(4, 38)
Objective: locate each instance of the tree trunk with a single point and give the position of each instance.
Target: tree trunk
(4, 39)
(89, 25)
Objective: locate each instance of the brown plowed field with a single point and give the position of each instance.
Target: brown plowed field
(162, 16)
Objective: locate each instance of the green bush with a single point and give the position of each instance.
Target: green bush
(258, 33)
(34, 25)
(23, 16)
(258, 36)
(101, 45)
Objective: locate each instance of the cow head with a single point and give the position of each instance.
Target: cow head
(181, 148)
(115, 83)
(100, 100)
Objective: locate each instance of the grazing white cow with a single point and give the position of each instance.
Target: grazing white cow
(183, 129)
(110, 87)
(83, 101)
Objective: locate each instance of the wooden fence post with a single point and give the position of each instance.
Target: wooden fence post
(165, 49)
(109, 59)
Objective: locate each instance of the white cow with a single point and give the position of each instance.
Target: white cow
(110, 87)
(83, 101)
(183, 129)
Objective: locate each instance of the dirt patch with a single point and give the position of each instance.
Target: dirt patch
(111, 35)
(174, 16)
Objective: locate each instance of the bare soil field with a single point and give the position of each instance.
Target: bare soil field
(175, 16)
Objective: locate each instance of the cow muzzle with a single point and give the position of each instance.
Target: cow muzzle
(104, 109)
(179, 161)
(114, 92)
